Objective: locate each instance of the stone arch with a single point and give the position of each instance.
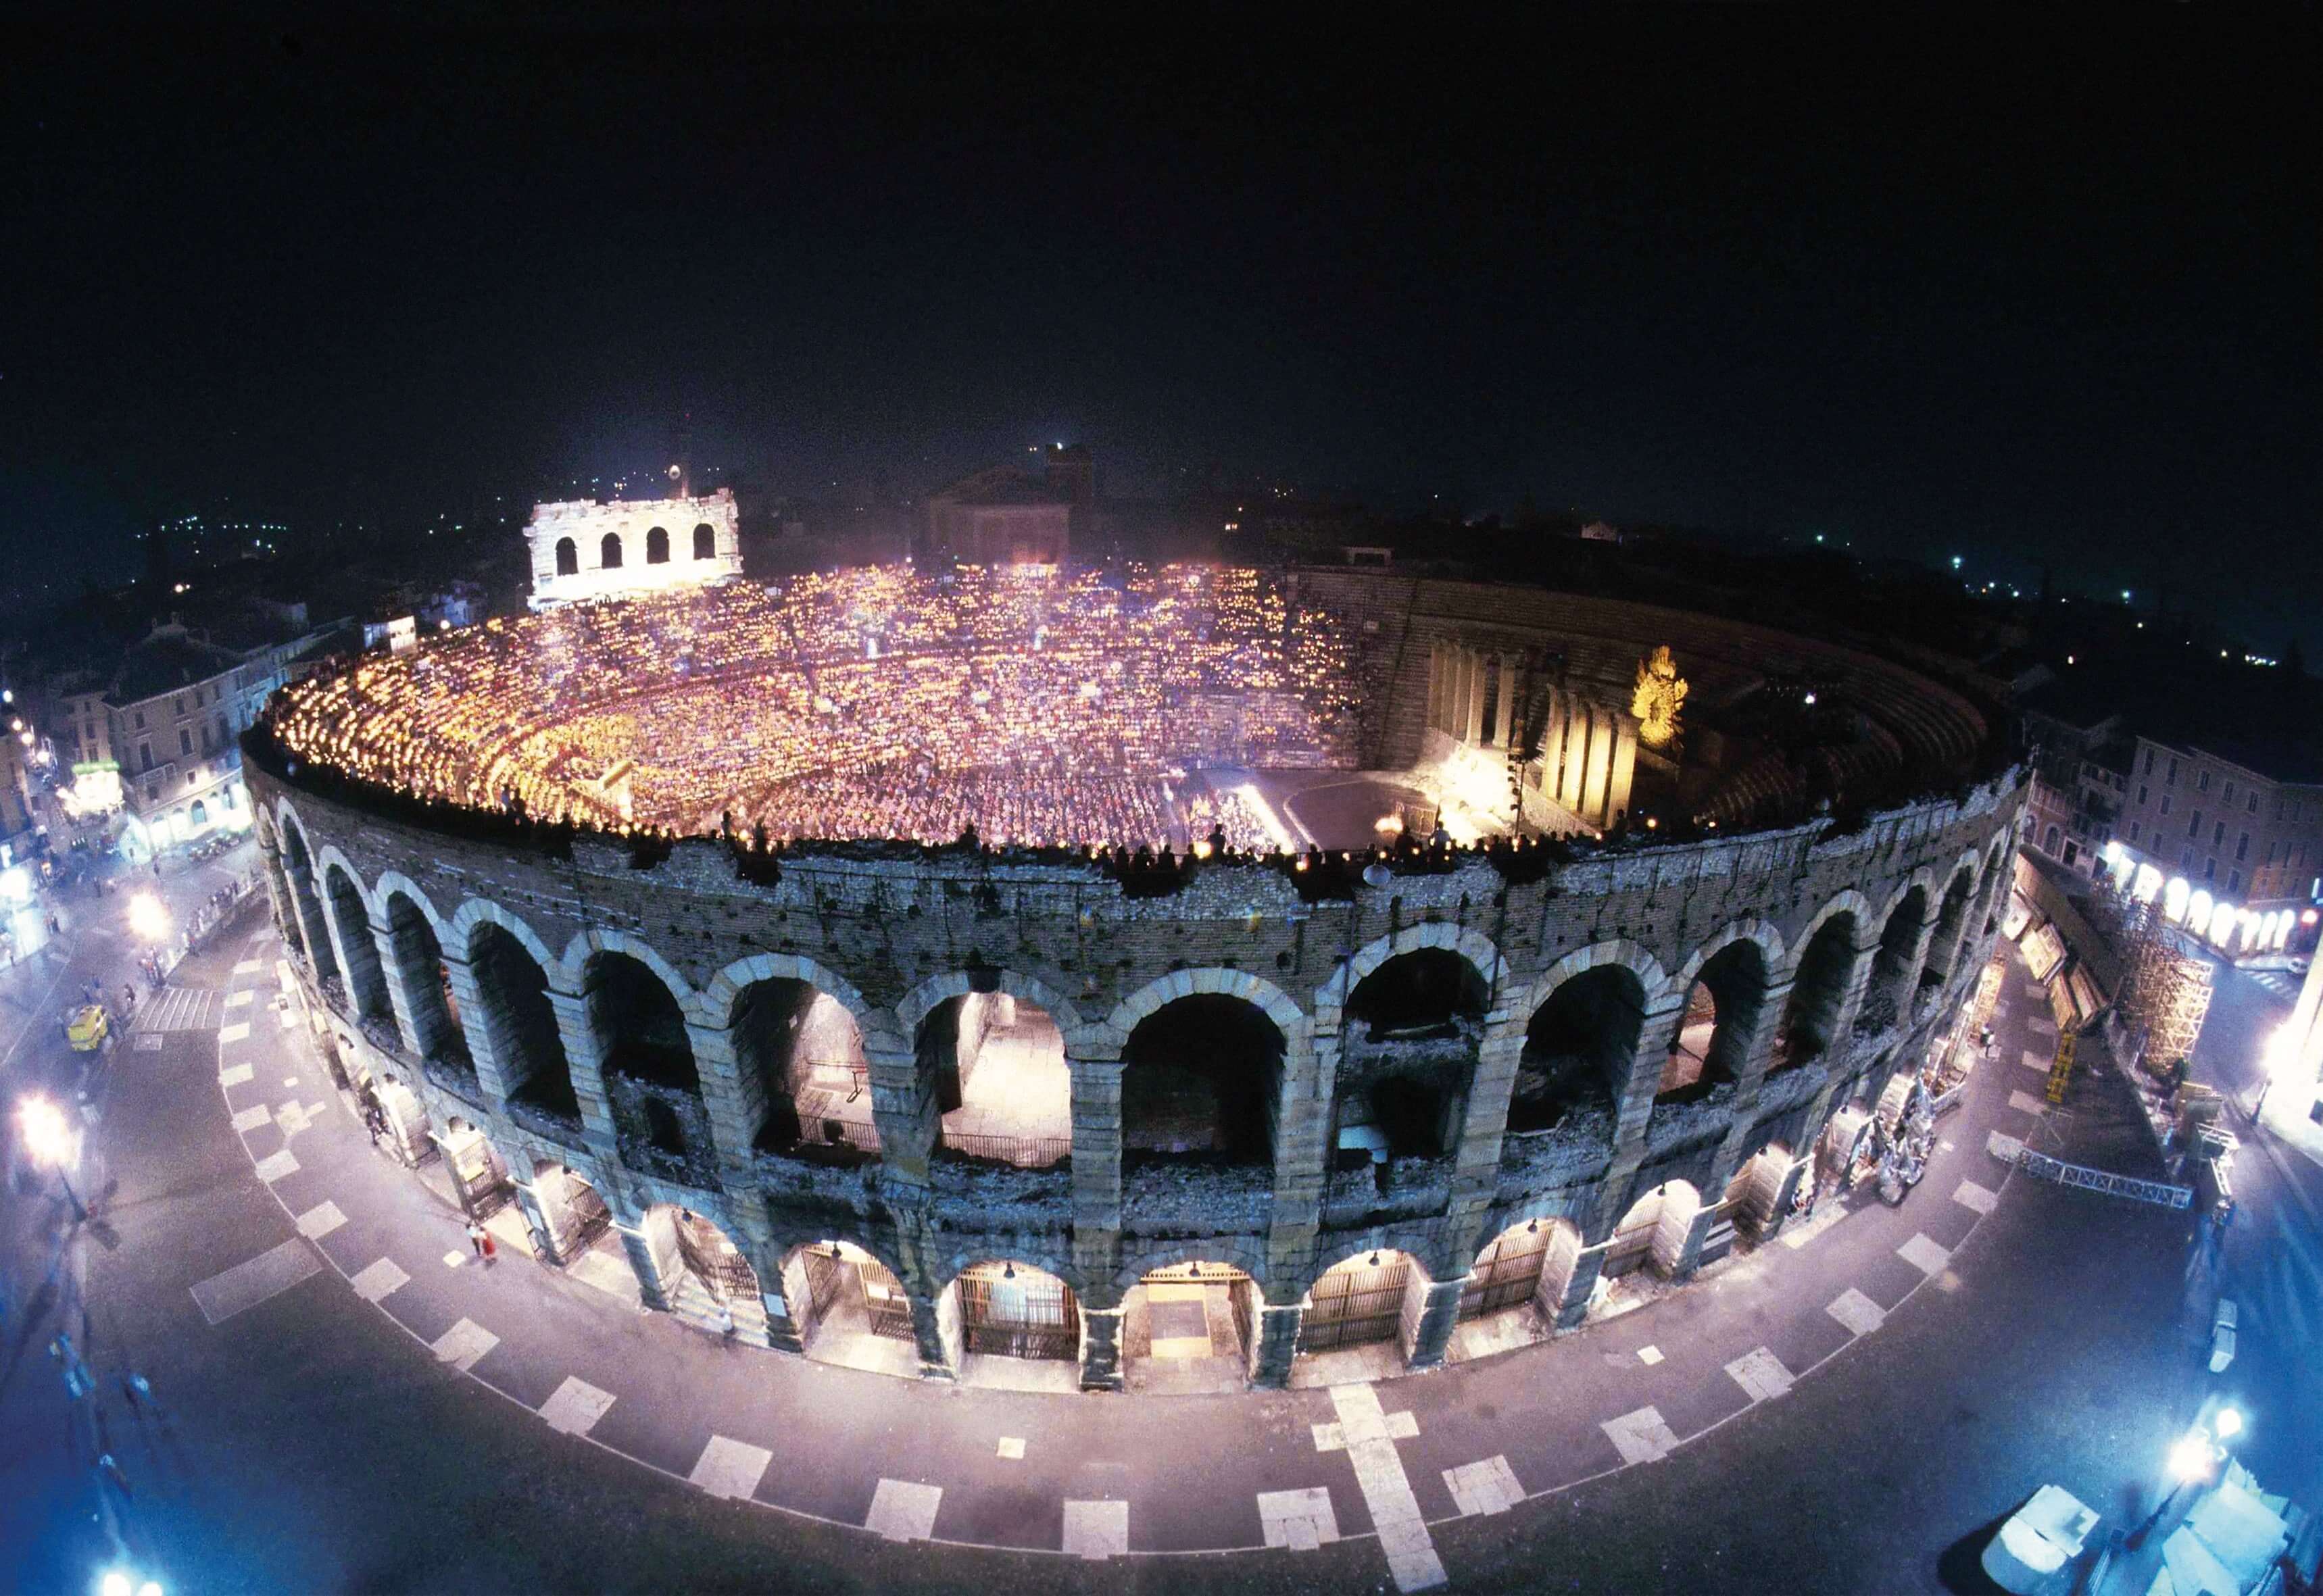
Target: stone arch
(931, 994)
(1201, 1078)
(298, 860)
(416, 970)
(609, 552)
(790, 1235)
(1952, 915)
(1528, 1259)
(1048, 1254)
(349, 906)
(263, 824)
(396, 881)
(1896, 961)
(477, 912)
(1846, 900)
(846, 1302)
(1638, 960)
(1769, 940)
(1476, 949)
(1585, 1030)
(802, 1074)
(1162, 1253)
(1422, 1242)
(1286, 1015)
(657, 546)
(1653, 1232)
(705, 542)
(568, 557)
(598, 940)
(1724, 988)
(713, 1006)
(1356, 1301)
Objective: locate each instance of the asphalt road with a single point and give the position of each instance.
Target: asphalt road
(313, 1442)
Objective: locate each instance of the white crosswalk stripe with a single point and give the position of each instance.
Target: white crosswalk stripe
(179, 1008)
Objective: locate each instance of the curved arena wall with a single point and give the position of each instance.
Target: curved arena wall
(891, 938)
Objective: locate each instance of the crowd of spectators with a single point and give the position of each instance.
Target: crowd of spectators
(1032, 707)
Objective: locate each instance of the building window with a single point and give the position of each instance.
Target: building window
(2194, 824)
(2209, 870)
(144, 757)
(2202, 781)
(185, 740)
(2169, 777)
(705, 542)
(140, 720)
(2133, 830)
(2051, 844)
(609, 552)
(2253, 804)
(2233, 881)
(2141, 795)
(2229, 793)
(2218, 834)
(568, 558)
(2242, 846)
(2185, 856)
(657, 547)
(2165, 803)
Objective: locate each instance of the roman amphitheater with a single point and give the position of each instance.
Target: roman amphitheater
(1176, 979)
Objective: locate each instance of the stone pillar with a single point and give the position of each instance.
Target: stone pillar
(1788, 1193)
(278, 893)
(1096, 1159)
(787, 1303)
(476, 1029)
(1472, 725)
(902, 1107)
(935, 1326)
(1440, 1316)
(1625, 762)
(1276, 1345)
(1657, 1030)
(1859, 981)
(531, 1203)
(404, 964)
(1504, 711)
(733, 1123)
(1689, 1256)
(1101, 1349)
(1760, 1052)
(1573, 1306)
(1438, 683)
(586, 1060)
(314, 933)
(646, 1263)
(1303, 1154)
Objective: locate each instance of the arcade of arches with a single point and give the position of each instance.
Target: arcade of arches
(613, 1091)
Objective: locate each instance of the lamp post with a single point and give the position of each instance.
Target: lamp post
(53, 1143)
(2196, 1454)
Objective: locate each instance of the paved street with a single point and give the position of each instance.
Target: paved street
(351, 1401)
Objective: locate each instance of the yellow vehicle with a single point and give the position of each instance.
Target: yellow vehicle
(87, 1028)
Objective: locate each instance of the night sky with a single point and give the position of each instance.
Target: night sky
(2015, 296)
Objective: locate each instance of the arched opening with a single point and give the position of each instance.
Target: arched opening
(1371, 1299)
(1003, 1310)
(1186, 1329)
(576, 1227)
(197, 815)
(1406, 1061)
(568, 557)
(1818, 993)
(848, 1309)
(366, 986)
(1713, 1042)
(1516, 1290)
(997, 1066)
(1652, 1235)
(307, 902)
(705, 1276)
(609, 552)
(427, 983)
(802, 1052)
(1952, 925)
(705, 542)
(1997, 874)
(480, 1181)
(1579, 1045)
(657, 546)
(398, 1121)
(520, 1025)
(650, 1081)
(1895, 968)
(1755, 1195)
(1200, 1081)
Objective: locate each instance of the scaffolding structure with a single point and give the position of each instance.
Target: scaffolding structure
(2167, 996)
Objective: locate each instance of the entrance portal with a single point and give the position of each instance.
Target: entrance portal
(848, 1309)
(1188, 1328)
(1361, 1306)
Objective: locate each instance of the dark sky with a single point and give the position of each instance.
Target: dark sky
(2018, 295)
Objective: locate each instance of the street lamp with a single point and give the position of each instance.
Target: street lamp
(2278, 1061)
(53, 1142)
(2191, 1458)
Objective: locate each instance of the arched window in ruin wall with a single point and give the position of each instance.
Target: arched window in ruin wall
(801, 1059)
(1408, 1056)
(1579, 1046)
(1818, 993)
(520, 1025)
(1201, 1080)
(1711, 1044)
(366, 985)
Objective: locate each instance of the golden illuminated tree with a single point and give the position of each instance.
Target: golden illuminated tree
(1661, 693)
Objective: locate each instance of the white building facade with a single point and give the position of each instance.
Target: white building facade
(583, 550)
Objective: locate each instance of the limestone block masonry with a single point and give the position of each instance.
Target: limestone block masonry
(522, 939)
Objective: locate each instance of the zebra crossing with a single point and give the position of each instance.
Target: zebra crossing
(2282, 982)
(178, 1008)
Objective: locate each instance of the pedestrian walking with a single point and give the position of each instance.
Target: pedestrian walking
(476, 1237)
(110, 1470)
(489, 1248)
(726, 1318)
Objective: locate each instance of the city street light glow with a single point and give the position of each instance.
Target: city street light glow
(149, 918)
(50, 1138)
(2189, 1459)
(2227, 1424)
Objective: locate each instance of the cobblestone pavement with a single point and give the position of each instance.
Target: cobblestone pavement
(353, 1401)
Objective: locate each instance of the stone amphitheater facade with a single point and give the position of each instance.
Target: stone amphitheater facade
(1855, 949)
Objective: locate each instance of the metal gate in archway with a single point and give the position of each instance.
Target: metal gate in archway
(1356, 1303)
(1182, 1281)
(831, 1277)
(1018, 1313)
(1506, 1272)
